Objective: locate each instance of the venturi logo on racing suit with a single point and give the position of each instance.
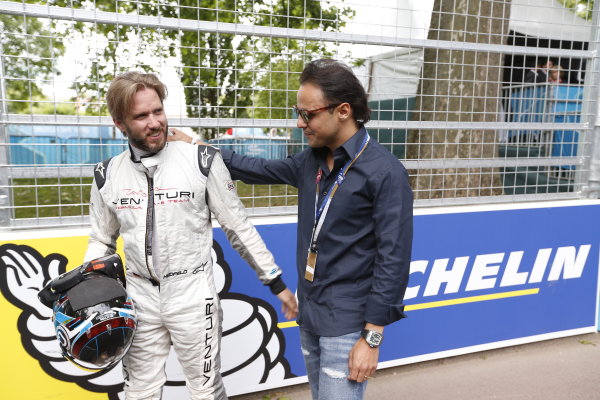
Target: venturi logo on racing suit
(135, 199)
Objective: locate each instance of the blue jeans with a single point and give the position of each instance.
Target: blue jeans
(326, 360)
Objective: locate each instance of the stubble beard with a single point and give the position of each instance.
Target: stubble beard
(143, 145)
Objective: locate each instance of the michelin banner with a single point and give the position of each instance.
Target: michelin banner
(478, 280)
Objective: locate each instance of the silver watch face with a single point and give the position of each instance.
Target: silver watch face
(373, 338)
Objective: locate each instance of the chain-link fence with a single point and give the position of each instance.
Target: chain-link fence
(483, 101)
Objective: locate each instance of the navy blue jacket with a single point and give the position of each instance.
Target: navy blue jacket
(365, 243)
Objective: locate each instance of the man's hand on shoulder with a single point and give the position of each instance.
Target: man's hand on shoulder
(175, 135)
(289, 305)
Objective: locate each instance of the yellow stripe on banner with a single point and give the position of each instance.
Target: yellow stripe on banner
(444, 303)
(474, 299)
(289, 324)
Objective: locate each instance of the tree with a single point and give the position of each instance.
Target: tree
(115, 48)
(223, 75)
(582, 8)
(460, 86)
(280, 85)
(29, 51)
(31, 47)
(232, 76)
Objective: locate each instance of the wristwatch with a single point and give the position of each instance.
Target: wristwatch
(373, 338)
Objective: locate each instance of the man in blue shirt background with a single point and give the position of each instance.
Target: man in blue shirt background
(355, 230)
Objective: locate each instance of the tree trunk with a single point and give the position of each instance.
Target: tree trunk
(460, 86)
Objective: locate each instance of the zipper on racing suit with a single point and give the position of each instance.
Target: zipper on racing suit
(150, 229)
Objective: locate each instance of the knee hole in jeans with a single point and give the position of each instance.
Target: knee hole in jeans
(333, 373)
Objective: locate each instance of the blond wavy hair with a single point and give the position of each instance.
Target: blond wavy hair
(123, 87)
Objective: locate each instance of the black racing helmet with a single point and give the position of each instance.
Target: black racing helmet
(93, 315)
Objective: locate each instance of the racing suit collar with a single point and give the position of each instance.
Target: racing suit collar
(145, 161)
(137, 154)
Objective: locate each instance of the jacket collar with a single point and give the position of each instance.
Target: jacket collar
(147, 162)
(340, 155)
(352, 145)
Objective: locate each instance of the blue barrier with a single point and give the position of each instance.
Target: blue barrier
(527, 105)
(565, 107)
(52, 150)
(59, 145)
(33, 151)
(566, 98)
(547, 103)
(565, 142)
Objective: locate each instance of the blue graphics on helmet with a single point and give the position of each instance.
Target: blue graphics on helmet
(94, 318)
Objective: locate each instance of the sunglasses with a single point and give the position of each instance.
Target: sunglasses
(306, 115)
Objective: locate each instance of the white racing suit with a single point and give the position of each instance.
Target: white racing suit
(176, 301)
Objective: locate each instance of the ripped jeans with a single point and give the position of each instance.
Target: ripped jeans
(326, 360)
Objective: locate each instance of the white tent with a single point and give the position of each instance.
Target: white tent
(548, 19)
(392, 75)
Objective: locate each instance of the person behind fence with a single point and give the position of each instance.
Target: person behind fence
(556, 74)
(540, 73)
(158, 197)
(354, 229)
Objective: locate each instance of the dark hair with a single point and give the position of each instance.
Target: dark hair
(339, 85)
(122, 89)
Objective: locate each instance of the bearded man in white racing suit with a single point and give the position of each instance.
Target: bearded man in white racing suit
(158, 197)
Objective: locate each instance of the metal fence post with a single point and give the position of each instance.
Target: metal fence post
(591, 185)
(5, 195)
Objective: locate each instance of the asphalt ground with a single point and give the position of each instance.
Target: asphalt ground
(566, 368)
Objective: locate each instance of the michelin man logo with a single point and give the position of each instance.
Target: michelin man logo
(252, 345)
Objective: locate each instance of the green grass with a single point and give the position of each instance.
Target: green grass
(51, 197)
(60, 197)
(267, 195)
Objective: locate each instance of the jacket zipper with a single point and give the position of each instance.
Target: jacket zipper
(149, 222)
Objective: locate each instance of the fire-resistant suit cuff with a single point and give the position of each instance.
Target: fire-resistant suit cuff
(277, 285)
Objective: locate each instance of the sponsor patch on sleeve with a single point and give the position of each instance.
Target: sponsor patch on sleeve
(229, 185)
